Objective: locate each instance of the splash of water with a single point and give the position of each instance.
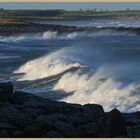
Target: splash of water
(45, 66)
(12, 38)
(100, 89)
(51, 35)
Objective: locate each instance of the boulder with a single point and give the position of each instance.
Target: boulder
(94, 109)
(6, 126)
(113, 125)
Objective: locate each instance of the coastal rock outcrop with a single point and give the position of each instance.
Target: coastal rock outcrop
(27, 115)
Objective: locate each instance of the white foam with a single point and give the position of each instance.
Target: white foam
(45, 66)
(100, 89)
(12, 38)
(49, 35)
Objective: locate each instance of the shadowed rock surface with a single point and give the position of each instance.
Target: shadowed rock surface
(26, 115)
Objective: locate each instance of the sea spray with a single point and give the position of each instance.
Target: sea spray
(49, 35)
(54, 35)
(102, 86)
(48, 65)
(100, 89)
(88, 86)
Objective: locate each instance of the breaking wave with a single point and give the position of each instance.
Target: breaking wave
(45, 66)
(53, 35)
(100, 89)
(88, 85)
(13, 38)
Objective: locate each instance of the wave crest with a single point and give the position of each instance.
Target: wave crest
(100, 89)
(45, 66)
(88, 86)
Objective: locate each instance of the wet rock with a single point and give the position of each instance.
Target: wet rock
(133, 131)
(6, 87)
(113, 125)
(28, 115)
(93, 112)
(132, 124)
(66, 129)
(17, 134)
(54, 134)
(22, 122)
(61, 107)
(6, 126)
(88, 130)
(132, 119)
(6, 90)
(4, 133)
(38, 128)
(94, 108)
(8, 113)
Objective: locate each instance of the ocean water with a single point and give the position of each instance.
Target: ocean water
(91, 22)
(101, 67)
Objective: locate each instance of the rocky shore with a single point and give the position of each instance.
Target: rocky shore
(16, 29)
(26, 115)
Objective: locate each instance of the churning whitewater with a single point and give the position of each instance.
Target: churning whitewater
(87, 67)
(88, 85)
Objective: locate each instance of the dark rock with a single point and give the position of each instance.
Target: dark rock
(45, 120)
(94, 108)
(132, 119)
(6, 126)
(66, 129)
(89, 130)
(93, 112)
(17, 134)
(113, 125)
(54, 134)
(8, 113)
(4, 133)
(27, 115)
(6, 87)
(133, 131)
(132, 124)
(6, 90)
(37, 129)
(22, 122)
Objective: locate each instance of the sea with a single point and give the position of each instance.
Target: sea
(93, 67)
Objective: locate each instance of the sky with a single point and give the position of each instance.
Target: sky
(71, 5)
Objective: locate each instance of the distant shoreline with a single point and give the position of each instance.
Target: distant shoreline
(15, 22)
